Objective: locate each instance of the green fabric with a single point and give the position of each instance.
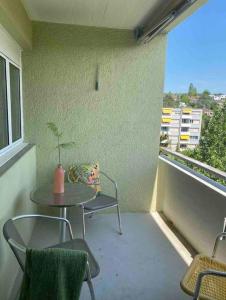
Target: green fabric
(53, 274)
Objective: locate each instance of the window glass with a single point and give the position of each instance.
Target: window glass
(4, 132)
(187, 121)
(184, 129)
(183, 146)
(15, 102)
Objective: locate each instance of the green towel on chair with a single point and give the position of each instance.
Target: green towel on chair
(53, 274)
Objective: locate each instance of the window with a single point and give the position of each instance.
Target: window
(163, 128)
(187, 121)
(194, 137)
(10, 105)
(185, 129)
(4, 132)
(15, 102)
(183, 146)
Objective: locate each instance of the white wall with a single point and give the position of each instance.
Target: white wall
(196, 209)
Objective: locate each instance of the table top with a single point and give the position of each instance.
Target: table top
(75, 194)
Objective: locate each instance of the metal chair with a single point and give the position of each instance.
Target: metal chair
(18, 246)
(101, 202)
(205, 278)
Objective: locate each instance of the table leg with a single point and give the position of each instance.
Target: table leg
(63, 214)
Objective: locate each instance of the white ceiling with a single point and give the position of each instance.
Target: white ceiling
(123, 14)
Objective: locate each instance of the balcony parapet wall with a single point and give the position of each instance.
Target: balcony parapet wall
(193, 202)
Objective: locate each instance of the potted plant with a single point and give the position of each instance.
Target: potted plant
(59, 171)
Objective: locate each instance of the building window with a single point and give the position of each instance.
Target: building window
(163, 128)
(194, 137)
(183, 146)
(185, 129)
(187, 121)
(10, 105)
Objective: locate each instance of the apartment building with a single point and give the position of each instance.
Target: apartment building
(218, 97)
(182, 126)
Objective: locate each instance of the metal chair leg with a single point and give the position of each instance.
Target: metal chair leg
(91, 215)
(83, 223)
(119, 219)
(89, 282)
(91, 289)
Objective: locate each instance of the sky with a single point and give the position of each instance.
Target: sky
(196, 51)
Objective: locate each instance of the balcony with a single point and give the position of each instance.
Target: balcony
(186, 123)
(184, 136)
(167, 111)
(93, 80)
(187, 111)
(186, 213)
(166, 120)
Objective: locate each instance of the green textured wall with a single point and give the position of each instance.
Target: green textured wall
(117, 125)
(15, 187)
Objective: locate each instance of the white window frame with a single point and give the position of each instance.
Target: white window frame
(12, 145)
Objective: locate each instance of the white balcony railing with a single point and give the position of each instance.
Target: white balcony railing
(211, 170)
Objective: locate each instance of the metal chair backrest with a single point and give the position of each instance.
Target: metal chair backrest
(10, 232)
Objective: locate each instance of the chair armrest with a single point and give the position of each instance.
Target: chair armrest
(113, 182)
(16, 245)
(59, 219)
(219, 238)
(88, 272)
(201, 276)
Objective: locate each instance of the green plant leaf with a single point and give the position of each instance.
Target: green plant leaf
(67, 145)
(52, 126)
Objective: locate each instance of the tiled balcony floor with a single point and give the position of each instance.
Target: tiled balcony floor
(139, 265)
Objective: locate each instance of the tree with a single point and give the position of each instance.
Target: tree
(192, 91)
(164, 140)
(205, 122)
(205, 94)
(205, 103)
(168, 101)
(184, 98)
(213, 143)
